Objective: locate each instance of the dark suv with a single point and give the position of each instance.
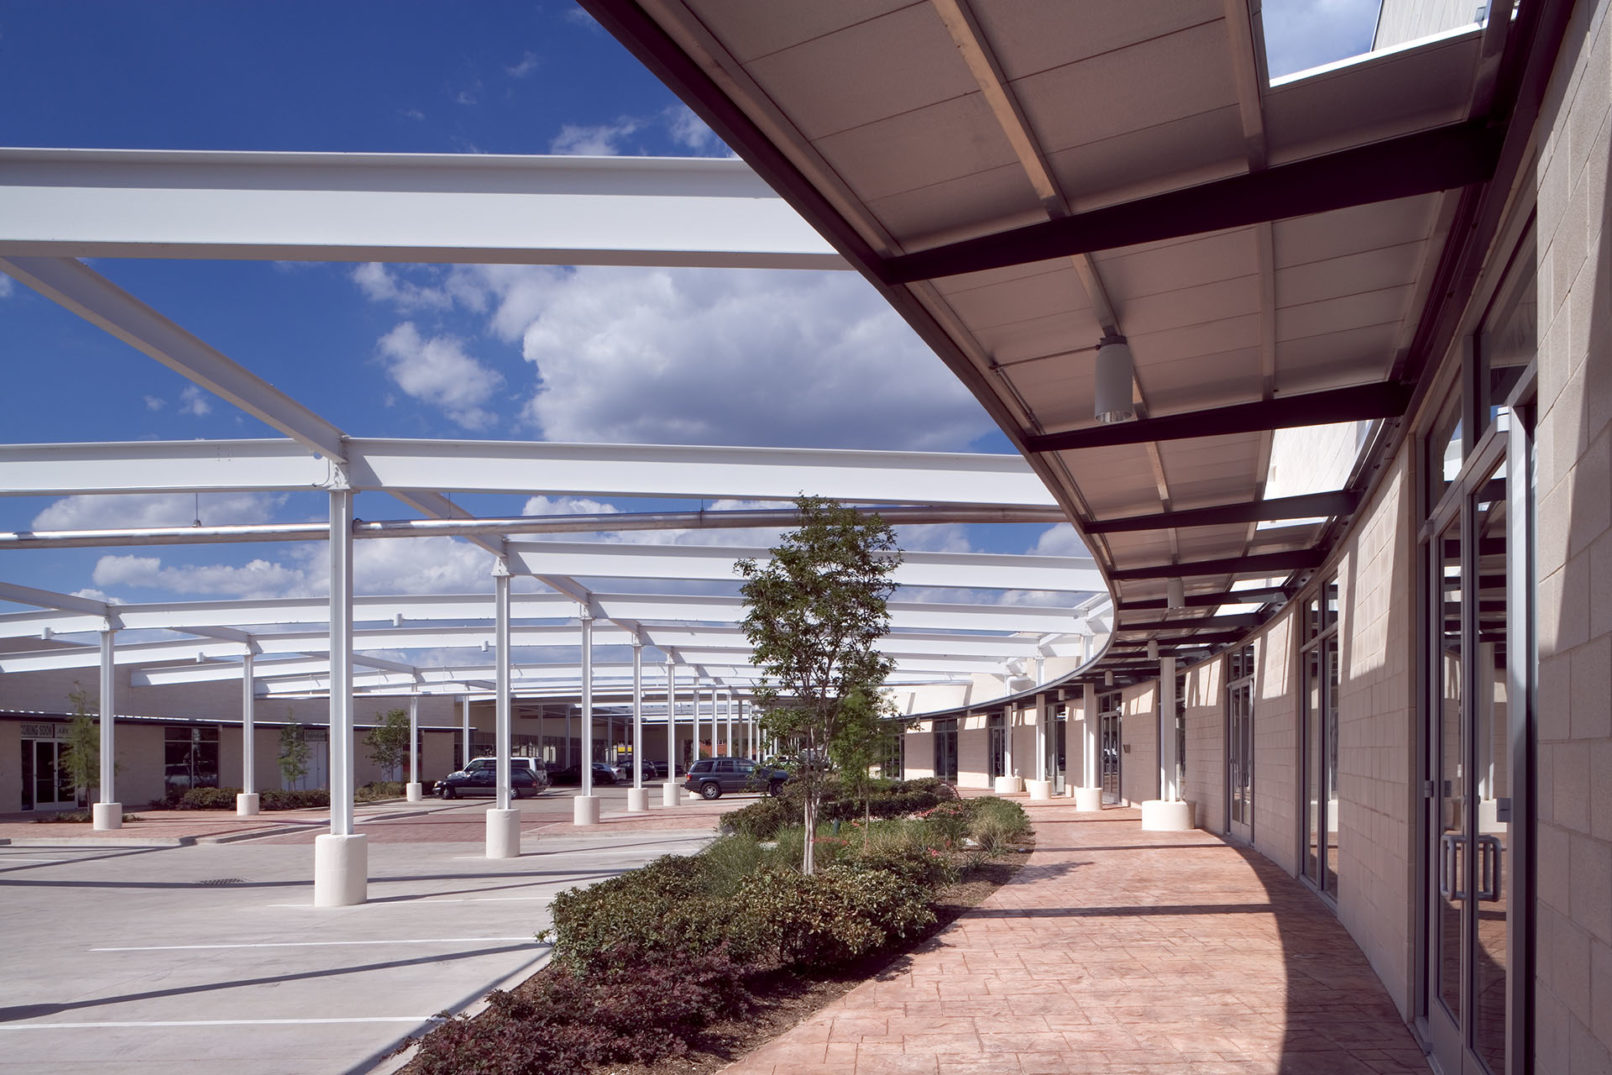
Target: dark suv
(710, 777)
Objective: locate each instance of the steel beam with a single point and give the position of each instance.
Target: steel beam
(1269, 563)
(471, 208)
(1311, 505)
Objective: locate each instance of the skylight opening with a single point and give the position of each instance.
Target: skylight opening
(1307, 38)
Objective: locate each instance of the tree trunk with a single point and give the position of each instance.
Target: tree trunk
(808, 859)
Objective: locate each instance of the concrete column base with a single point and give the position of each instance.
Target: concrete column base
(1039, 789)
(1087, 800)
(107, 815)
(413, 792)
(246, 804)
(340, 870)
(1159, 815)
(585, 810)
(1009, 785)
(503, 834)
(637, 800)
(671, 794)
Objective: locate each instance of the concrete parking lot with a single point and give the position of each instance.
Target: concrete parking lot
(131, 957)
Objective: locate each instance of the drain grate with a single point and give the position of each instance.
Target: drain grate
(221, 882)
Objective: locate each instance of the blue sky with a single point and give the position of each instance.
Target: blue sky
(630, 355)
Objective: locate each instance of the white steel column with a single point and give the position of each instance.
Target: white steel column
(669, 793)
(412, 792)
(503, 822)
(638, 795)
(464, 721)
(108, 812)
(585, 808)
(246, 803)
(1169, 791)
(727, 716)
(341, 858)
(1089, 792)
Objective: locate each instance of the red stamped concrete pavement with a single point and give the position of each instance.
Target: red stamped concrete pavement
(1116, 950)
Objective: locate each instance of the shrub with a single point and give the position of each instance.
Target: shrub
(637, 1008)
(762, 819)
(910, 849)
(951, 819)
(765, 818)
(376, 790)
(208, 799)
(293, 800)
(666, 909)
(836, 915)
(997, 823)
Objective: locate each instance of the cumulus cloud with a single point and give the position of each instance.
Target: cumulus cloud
(255, 579)
(138, 510)
(934, 537)
(690, 132)
(719, 356)
(194, 401)
(381, 284)
(598, 140)
(155, 403)
(439, 372)
(1060, 540)
(567, 505)
(527, 64)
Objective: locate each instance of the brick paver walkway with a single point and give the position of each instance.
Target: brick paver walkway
(1117, 951)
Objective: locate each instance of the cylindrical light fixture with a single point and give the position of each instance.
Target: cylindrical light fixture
(1152, 649)
(1175, 593)
(1108, 679)
(1115, 372)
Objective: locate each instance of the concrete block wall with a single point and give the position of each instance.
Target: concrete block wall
(1377, 734)
(1573, 988)
(1276, 699)
(1139, 732)
(1206, 743)
(973, 751)
(919, 756)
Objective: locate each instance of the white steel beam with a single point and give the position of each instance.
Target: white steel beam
(474, 208)
(201, 466)
(715, 563)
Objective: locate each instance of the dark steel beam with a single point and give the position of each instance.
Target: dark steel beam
(1439, 159)
(1250, 619)
(1265, 594)
(1312, 505)
(1208, 638)
(1385, 399)
(1269, 563)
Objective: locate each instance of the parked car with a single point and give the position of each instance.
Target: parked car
(656, 770)
(484, 781)
(710, 777)
(602, 774)
(538, 770)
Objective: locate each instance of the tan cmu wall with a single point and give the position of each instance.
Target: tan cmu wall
(10, 767)
(1573, 995)
(1206, 743)
(1376, 734)
(1276, 745)
(919, 752)
(973, 751)
(1139, 764)
(138, 780)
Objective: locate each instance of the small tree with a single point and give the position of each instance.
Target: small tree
(388, 741)
(293, 752)
(82, 762)
(816, 610)
(864, 740)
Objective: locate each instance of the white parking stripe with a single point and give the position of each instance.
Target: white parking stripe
(314, 944)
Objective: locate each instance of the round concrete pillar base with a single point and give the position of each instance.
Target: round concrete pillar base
(503, 834)
(413, 792)
(637, 800)
(1009, 785)
(671, 794)
(585, 810)
(246, 804)
(340, 870)
(1088, 800)
(107, 815)
(1159, 815)
(1039, 789)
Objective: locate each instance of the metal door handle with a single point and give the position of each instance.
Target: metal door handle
(1449, 881)
(1490, 853)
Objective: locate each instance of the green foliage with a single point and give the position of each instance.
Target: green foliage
(293, 752)
(951, 819)
(224, 799)
(293, 800)
(388, 741)
(634, 1010)
(82, 762)
(833, 916)
(814, 614)
(765, 818)
(909, 848)
(997, 823)
(376, 790)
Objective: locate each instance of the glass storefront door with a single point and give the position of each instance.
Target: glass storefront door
(44, 778)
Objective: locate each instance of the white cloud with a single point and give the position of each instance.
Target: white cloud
(193, 401)
(89, 593)
(1301, 34)
(138, 510)
(567, 505)
(934, 537)
(600, 140)
(1060, 540)
(155, 403)
(420, 565)
(411, 113)
(380, 284)
(689, 130)
(437, 371)
(718, 356)
(6, 286)
(255, 579)
(527, 65)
